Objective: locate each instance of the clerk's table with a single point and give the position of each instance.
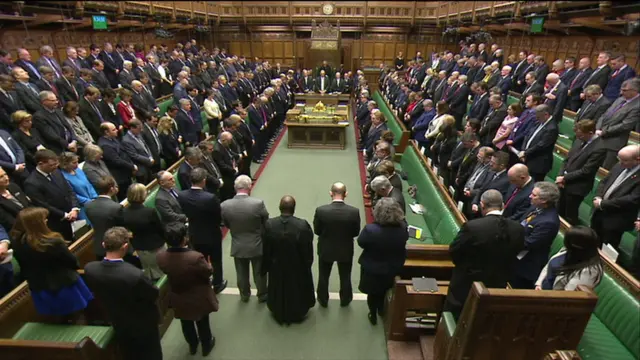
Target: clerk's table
(318, 126)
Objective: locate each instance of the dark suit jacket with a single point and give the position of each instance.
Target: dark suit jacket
(138, 154)
(383, 249)
(336, 225)
(153, 146)
(27, 97)
(140, 103)
(5, 158)
(90, 117)
(612, 91)
(621, 208)
(568, 76)
(56, 132)
(501, 183)
(490, 125)
(480, 108)
(541, 74)
(117, 161)
(616, 127)
(33, 76)
(539, 234)
(103, 213)
(557, 105)
(593, 111)
(520, 202)
(203, 211)
(459, 100)
(8, 209)
(188, 128)
(51, 270)
(581, 166)
(184, 175)
(9, 105)
(337, 88)
(396, 194)
(599, 77)
(484, 250)
(128, 296)
(466, 165)
(66, 90)
(169, 209)
(100, 79)
(576, 87)
(145, 224)
(534, 89)
(125, 78)
(539, 155)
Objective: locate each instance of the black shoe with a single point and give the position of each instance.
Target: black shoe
(206, 348)
(244, 299)
(324, 304)
(345, 303)
(381, 313)
(373, 319)
(193, 348)
(218, 289)
(262, 299)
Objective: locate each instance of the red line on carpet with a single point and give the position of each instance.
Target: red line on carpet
(261, 168)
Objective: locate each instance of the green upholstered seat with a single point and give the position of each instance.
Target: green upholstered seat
(100, 335)
(612, 332)
(449, 322)
(557, 244)
(150, 201)
(164, 106)
(446, 230)
(163, 281)
(392, 124)
(412, 218)
(512, 100)
(625, 249)
(567, 133)
(555, 166)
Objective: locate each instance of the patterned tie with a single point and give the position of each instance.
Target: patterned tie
(515, 192)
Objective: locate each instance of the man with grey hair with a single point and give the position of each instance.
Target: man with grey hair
(126, 76)
(615, 125)
(541, 225)
(491, 122)
(538, 145)
(192, 158)
(167, 201)
(484, 250)
(383, 188)
(57, 134)
(245, 217)
(595, 104)
(336, 225)
(188, 127)
(47, 59)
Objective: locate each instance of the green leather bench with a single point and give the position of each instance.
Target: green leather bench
(567, 133)
(439, 225)
(100, 335)
(512, 100)
(164, 106)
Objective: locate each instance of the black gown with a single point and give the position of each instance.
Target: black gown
(287, 259)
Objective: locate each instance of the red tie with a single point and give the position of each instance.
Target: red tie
(515, 192)
(576, 79)
(615, 73)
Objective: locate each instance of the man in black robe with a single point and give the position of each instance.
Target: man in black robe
(287, 259)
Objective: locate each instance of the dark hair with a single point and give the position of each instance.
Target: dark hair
(582, 246)
(104, 184)
(175, 235)
(474, 124)
(45, 155)
(287, 205)
(115, 238)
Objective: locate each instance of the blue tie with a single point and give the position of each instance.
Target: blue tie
(33, 69)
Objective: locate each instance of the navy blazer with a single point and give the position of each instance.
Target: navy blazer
(188, 128)
(373, 137)
(203, 211)
(501, 183)
(539, 234)
(539, 155)
(5, 158)
(518, 206)
(612, 91)
(480, 107)
(383, 249)
(522, 128)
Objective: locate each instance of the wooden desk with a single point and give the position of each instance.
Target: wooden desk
(316, 136)
(327, 99)
(404, 298)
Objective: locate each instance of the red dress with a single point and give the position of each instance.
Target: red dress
(126, 113)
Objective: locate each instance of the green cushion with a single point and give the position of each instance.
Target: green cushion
(449, 322)
(557, 244)
(555, 166)
(392, 124)
(618, 310)
(446, 230)
(205, 123)
(584, 213)
(163, 281)
(164, 106)
(175, 177)
(150, 201)
(16, 268)
(625, 250)
(100, 335)
(564, 142)
(598, 343)
(413, 218)
(427, 194)
(512, 100)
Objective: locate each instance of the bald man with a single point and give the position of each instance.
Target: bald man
(517, 202)
(556, 96)
(336, 224)
(618, 197)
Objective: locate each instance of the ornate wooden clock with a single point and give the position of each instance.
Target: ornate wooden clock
(327, 9)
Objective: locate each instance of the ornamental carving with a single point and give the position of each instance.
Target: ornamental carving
(325, 31)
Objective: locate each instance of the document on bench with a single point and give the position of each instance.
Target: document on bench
(417, 209)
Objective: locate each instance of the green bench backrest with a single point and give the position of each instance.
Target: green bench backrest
(626, 247)
(164, 106)
(100, 335)
(555, 166)
(442, 224)
(512, 100)
(389, 116)
(618, 310)
(557, 244)
(566, 127)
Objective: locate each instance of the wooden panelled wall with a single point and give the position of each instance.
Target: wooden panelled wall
(11, 40)
(365, 51)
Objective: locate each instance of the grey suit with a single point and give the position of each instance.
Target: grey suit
(616, 125)
(95, 171)
(169, 208)
(245, 217)
(103, 213)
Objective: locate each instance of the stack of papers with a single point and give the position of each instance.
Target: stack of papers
(417, 209)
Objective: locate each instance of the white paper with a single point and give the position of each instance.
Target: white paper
(441, 179)
(78, 224)
(522, 254)
(460, 205)
(452, 190)
(514, 150)
(7, 258)
(417, 208)
(610, 252)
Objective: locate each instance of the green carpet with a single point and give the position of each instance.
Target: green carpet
(247, 331)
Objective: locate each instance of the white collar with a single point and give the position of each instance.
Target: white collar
(494, 212)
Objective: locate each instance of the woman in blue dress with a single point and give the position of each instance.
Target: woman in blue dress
(85, 192)
(48, 266)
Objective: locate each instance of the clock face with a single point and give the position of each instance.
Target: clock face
(327, 9)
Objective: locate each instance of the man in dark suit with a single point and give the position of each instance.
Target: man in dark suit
(497, 179)
(516, 200)
(382, 187)
(126, 76)
(99, 77)
(28, 93)
(203, 211)
(579, 170)
(491, 123)
(616, 124)
(336, 225)
(24, 61)
(47, 187)
(374, 133)
(214, 178)
(438, 86)
(480, 106)
(192, 158)
(12, 158)
(458, 101)
(531, 87)
(620, 72)
(555, 97)
(67, 85)
(57, 134)
(167, 203)
(576, 85)
(466, 162)
(600, 75)
(9, 102)
(541, 224)
(307, 83)
(138, 151)
(618, 198)
(104, 213)
(484, 250)
(116, 159)
(541, 69)
(538, 146)
(12, 203)
(128, 297)
(323, 83)
(519, 83)
(337, 84)
(72, 61)
(151, 137)
(111, 69)
(227, 163)
(89, 111)
(595, 104)
(570, 71)
(479, 175)
(187, 125)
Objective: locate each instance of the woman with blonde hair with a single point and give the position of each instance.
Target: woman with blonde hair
(169, 140)
(27, 137)
(442, 113)
(78, 181)
(48, 265)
